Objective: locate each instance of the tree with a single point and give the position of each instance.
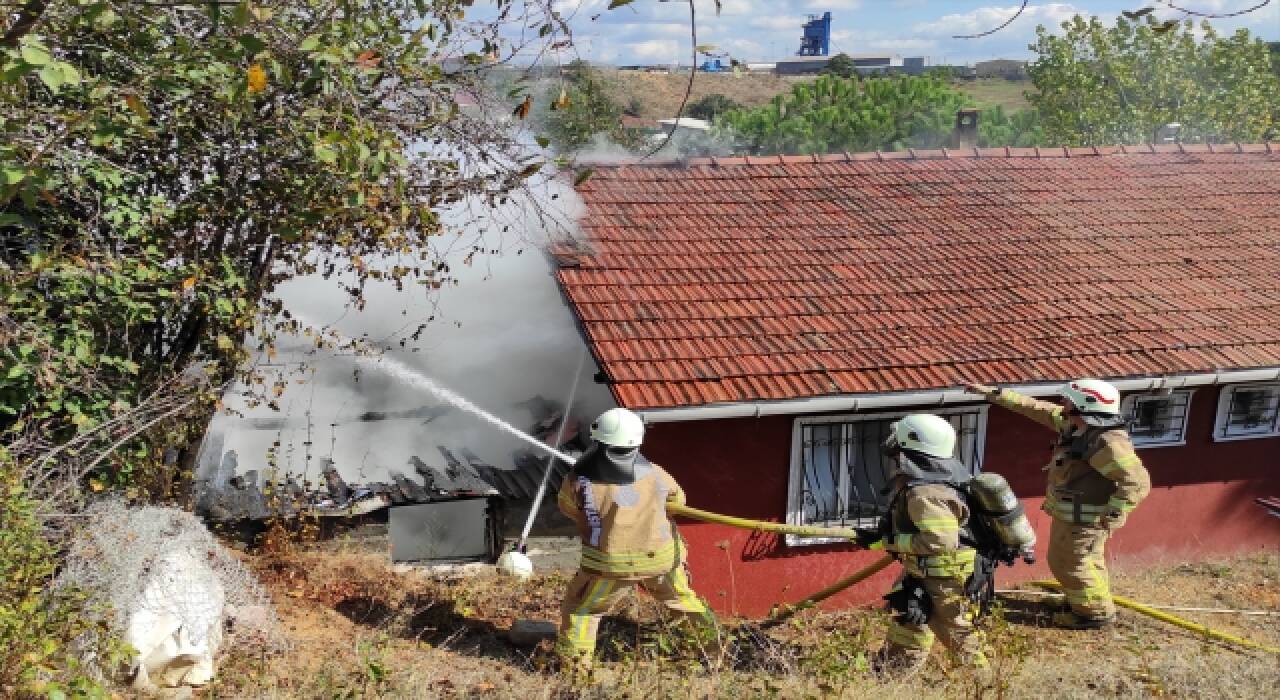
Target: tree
(582, 108)
(711, 106)
(1098, 85)
(834, 114)
(1274, 47)
(163, 166)
(841, 65)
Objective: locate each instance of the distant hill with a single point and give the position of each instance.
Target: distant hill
(658, 94)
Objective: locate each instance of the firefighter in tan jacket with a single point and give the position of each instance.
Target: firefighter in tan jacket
(926, 529)
(1095, 481)
(618, 500)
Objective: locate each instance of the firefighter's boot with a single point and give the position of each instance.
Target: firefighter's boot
(1073, 621)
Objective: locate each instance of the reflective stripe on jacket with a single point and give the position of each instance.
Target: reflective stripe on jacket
(1105, 476)
(624, 528)
(927, 520)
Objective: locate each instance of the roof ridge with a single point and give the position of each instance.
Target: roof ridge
(1041, 152)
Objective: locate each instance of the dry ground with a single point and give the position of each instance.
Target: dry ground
(356, 628)
(659, 94)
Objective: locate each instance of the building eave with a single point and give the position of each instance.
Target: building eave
(937, 397)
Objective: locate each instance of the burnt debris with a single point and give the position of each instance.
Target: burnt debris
(226, 496)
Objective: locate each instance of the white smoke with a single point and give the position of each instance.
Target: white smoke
(501, 336)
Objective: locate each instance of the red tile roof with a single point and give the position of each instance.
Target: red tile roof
(734, 280)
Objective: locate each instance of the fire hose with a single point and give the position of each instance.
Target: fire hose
(783, 611)
(786, 610)
(1173, 620)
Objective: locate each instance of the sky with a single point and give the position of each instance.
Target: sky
(657, 31)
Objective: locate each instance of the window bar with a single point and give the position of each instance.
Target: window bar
(833, 466)
(842, 492)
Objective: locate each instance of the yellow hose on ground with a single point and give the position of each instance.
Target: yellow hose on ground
(1173, 620)
(786, 610)
(761, 526)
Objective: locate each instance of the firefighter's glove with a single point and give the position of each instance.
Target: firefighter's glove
(911, 602)
(1007, 555)
(869, 537)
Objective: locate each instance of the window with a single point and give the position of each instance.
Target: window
(1248, 411)
(839, 473)
(1157, 419)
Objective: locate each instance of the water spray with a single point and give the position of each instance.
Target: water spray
(400, 370)
(516, 562)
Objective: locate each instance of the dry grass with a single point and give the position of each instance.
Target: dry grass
(659, 94)
(359, 629)
(992, 92)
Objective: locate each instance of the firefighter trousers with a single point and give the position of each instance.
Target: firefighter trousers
(907, 646)
(1077, 560)
(591, 595)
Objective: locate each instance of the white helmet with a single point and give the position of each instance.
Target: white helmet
(618, 427)
(1092, 396)
(927, 434)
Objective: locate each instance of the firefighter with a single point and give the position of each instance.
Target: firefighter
(925, 528)
(1095, 481)
(618, 500)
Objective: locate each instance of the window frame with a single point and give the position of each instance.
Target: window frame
(795, 475)
(1221, 416)
(1126, 407)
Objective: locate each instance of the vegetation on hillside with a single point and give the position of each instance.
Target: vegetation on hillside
(1099, 85)
(835, 114)
(841, 65)
(712, 106)
(582, 108)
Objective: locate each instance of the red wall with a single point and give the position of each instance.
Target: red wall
(1201, 504)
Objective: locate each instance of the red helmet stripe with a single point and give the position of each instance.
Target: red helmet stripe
(1094, 393)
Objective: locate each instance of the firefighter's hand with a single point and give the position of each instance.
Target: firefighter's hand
(983, 389)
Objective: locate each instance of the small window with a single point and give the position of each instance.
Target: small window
(1248, 411)
(1157, 419)
(839, 472)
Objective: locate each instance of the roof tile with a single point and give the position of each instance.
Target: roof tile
(733, 279)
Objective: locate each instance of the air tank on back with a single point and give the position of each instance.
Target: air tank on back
(1003, 514)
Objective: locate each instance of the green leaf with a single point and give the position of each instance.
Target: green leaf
(13, 174)
(35, 54)
(57, 73)
(543, 141)
(224, 343)
(326, 154)
(582, 176)
(311, 43)
(615, 4)
(241, 15)
(252, 44)
(224, 307)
